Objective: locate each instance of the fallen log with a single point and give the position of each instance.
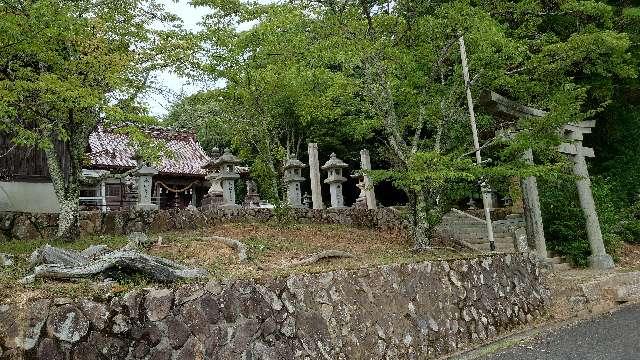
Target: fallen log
(319, 256)
(48, 254)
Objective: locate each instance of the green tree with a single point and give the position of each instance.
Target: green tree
(593, 45)
(395, 68)
(69, 66)
(275, 99)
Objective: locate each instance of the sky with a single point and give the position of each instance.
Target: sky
(159, 104)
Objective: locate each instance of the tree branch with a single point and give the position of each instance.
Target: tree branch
(319, 256)
(235, 244)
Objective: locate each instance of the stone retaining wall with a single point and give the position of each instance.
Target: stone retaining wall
(29, 226)
(409, 311)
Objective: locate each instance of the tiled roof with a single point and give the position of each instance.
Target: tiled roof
(110, 150)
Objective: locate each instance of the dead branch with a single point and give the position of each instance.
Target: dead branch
(235, 244)
(319, 256)
(486, 144)
(8, 151)
(54, 263)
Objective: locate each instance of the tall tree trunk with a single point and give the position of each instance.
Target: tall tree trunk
(66, 181)
(68, 220)
(383, 100)
(68, 195)
(423, 229)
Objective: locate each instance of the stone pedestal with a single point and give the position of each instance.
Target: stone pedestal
(227, 176)
(145, 179)
(306, 200)
(314, 176)
(213, 197)
(335, 180)
(369, 193)
(293, 180)
(252, 199)
(361, 201)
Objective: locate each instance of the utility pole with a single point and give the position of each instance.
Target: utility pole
(484, 187)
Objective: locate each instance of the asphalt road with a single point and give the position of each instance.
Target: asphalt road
(611, 336)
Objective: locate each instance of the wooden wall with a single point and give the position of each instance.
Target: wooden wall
(26, 163)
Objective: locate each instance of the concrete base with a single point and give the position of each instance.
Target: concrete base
(544, 262)
(146, 207)
(601, 262)
(229, 206)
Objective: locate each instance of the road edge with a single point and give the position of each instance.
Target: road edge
(510, 339)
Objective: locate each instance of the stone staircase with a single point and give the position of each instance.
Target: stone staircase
(471, 231)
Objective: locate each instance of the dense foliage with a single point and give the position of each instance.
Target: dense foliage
(386, 75)
(67, 67)
(389, 74)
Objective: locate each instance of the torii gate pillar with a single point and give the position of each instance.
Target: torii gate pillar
(599, 258)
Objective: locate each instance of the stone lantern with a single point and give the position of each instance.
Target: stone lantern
(213, 198)
(227, 176)
(145, 178)
(335, 179)
(293, 179)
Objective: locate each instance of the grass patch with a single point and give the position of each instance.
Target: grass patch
(22, 247)
(270, 248)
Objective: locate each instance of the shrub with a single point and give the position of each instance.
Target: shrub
(564, 223)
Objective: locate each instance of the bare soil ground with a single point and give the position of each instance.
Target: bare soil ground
(271, 248)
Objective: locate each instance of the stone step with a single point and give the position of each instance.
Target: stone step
(471, 240)
(477, 232)
(561, 267)
(474, 228)
(473, 232)
(499, 247)
(461, 224)
(481, 235)
(462, 220)
(478, 229)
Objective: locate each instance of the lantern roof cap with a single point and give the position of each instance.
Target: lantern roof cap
(292, 163)
(334, 163)
(227, 158)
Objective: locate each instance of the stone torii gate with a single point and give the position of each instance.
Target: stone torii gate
(574, 132)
